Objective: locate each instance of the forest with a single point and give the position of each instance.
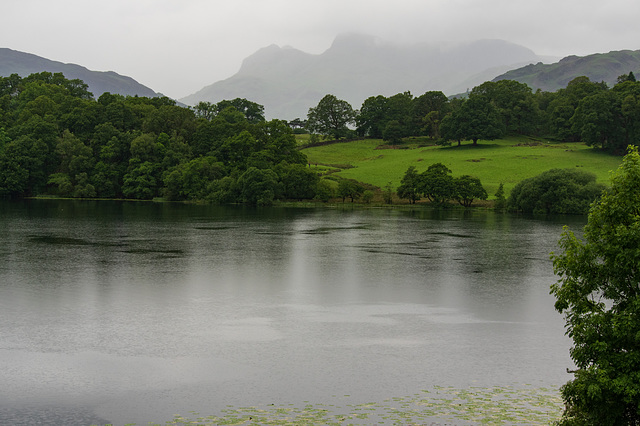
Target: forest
(57, 139)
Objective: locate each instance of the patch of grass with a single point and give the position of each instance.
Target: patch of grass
(506, 161)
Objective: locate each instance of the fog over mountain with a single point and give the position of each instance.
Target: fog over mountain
(24, 64)
(288, 81)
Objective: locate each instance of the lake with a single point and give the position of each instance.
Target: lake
(123, 312)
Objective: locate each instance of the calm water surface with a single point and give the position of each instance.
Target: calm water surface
(133, 312)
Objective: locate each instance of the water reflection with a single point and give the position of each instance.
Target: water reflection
(133, 312)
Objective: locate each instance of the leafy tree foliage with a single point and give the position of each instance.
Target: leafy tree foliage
(259, 187)
(556, 191)
(253, 112)
(599, 294)
(299, 182)
(373, 117)
(57, 139)
(515, 103)
(393, 132)
(410, 185)
(467, 189)
(477, 118)
(428, 110)
(436, 183)
(501, 200)
(410, 116)
(331, 117)
(349, 189)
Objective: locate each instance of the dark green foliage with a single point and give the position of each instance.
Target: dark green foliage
(467, 189)
(298, 181)
(258, 187)
(373, 117)
(253, 112)
(501, 200)
(562, 108)
(437, 184)
(477, 118)
(515, 103)
(556, 191)
(393, 132)
(57, 139)
(324, 191)
(597, 120)
(349, 189)
(599, 294)
(410, 116)
(410, 185)
(387, 194)
(331, 117)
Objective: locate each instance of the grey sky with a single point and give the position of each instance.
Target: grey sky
(179, 46)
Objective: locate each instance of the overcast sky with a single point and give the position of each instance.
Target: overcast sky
(179, 46)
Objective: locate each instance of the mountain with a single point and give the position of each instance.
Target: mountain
(598, 67)
(288, 81)
(24, 64)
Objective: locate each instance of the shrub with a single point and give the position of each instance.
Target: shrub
(556, 191)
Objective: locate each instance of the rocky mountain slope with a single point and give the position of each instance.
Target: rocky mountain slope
(598, 67)
(288, 81)
(24, 64)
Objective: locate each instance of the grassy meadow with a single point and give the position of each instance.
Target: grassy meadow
(506, 161)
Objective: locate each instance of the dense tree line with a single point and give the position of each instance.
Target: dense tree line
(439, 186)
(583, 111)
(55, 138)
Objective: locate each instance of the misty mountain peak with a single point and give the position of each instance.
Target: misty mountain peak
(288, 81)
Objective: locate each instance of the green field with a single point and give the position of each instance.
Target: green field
(506, 161)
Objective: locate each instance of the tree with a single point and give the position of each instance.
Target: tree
(367, 196)
(324, 191)
(626, 77)
(253, 112)
(556, 191)
(598, 121)
(373, 117)
(564, 104)
(393, 132)
(467, 189)
(387, 194)
(436, 183)
(349, 188)
(515, 103)
(501, 200)
(331, 117)
(141, 182)
(410, 185)
(599, 294)
(428, 110)
(298, 181)
(258, 187)
(477, 118)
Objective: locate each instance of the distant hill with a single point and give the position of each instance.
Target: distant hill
(288, 81)
(598, 67)
(24, 64)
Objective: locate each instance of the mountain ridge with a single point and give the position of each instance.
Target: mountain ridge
(599, 67)
(24, 64)
(288, 81)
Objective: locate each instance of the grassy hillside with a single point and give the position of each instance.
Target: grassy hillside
(508, 160)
